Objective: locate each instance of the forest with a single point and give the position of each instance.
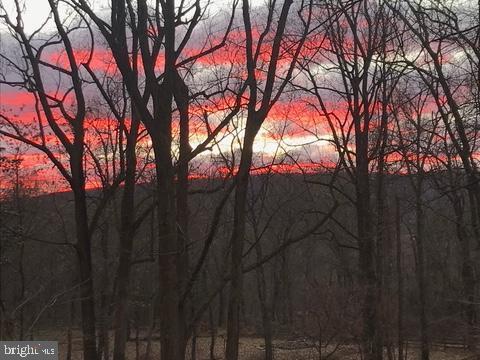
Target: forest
(241, 179)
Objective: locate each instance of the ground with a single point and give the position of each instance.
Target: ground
(251, 348)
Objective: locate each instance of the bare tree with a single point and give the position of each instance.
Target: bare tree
(50, 107)
(156, 28)
(259, 104)
(435, 29)
(357, 45)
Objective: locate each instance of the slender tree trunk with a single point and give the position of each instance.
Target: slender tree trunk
(137, 335)
(104, 323)
(151, 326)
(264, 306)
(221, 308)
(168, 253)
(193, 352)
(381, 327)
(22, 281)
(83, 247)
(21, 268)
(87, 303)
(127, 234)
(182, 98)
(399, 279)
(422, 286)
(237, 242)
(468, 276)
(2, 306)
(213, 333)
(71, 317)
(367, 249)
(286, 298)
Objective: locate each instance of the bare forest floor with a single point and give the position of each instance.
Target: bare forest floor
(251, 348)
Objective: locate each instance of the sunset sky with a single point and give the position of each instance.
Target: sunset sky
(295, 130)
(293, 126)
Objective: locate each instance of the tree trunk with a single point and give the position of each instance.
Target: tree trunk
(21, 271)
(83, 246)
(381, 286)
(105, 300)
(221, 309)
(421, 272)
(468, 275)
(264, 306)
(399, 279)
(126, 243)
(237, 242)
(182, 100)
(367, 249)
(168, 252)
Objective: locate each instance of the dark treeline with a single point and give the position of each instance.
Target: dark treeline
(300, 171)
(310, 288)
